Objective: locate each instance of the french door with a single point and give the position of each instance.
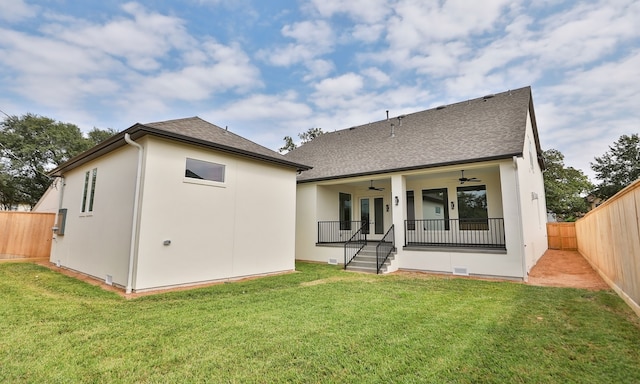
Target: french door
(372, 215)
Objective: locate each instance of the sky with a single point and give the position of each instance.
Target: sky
(268, 69)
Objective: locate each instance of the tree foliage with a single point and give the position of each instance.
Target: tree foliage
(32, 145)
(618, 167)
(305, 137)
(289, 145)
(565, 187)
(97, 135)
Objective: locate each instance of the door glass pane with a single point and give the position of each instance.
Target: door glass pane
(379, 215)
(364, 215)
(472, 207)
(411, 212)
(345, 212)
(434, 209)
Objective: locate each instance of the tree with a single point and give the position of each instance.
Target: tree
(289, 145)
(97, 135)
(310, 134)
(618, 167)
(32, 145)
(306, 137)
(565, 187)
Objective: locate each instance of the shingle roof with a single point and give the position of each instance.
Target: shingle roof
(490, 127)
(192, 130)
(210, 134)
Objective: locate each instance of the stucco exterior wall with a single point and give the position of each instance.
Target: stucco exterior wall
(532, 200)
(97, 243)
(50, 200)
(244, 226)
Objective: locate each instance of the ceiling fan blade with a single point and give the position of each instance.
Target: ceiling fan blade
(372, 188)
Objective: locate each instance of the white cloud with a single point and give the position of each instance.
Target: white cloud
(335, 91)
(367, 33)
(312, 39)
(367, 11)
(123, 60)
(586, 32)
(16, 10)
(318, 33)
(260, 107)
(318, 68)
(141, 39)
(379, 78)
(417, 23)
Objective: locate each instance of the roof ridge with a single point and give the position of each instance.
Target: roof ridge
(222, 130)
(485, 97)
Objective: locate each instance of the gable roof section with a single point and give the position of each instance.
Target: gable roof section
(192, 130)
(488, 128)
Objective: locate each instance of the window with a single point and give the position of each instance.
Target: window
(93, 188)
(204, 170)
(434, 209)
(411, 212)
(472, 207)
(84, 192)
(88, 195)
(345, 211)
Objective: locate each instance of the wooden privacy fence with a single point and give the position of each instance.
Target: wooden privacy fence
(562, 236)
(25, 234)
(609, 238)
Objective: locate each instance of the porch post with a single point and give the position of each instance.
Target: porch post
(399, 190)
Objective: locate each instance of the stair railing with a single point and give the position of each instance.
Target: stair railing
(354, 245)
(385, 247)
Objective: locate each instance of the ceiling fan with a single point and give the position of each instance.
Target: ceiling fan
(463, 179)
(372, 188)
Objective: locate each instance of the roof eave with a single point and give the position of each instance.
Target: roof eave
(138, 130)
(412, 168)
(223, 148)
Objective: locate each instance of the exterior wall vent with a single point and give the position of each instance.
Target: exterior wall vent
(333, 261)
(460, 271)
(108, 280)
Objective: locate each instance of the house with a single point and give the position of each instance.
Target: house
(176, 203)
(456, 189)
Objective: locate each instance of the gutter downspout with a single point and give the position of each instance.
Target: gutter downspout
(525, 277)
(134, 221)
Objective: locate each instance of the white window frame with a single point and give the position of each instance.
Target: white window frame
(204, 181)
(89, 192)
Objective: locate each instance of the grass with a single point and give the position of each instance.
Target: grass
(319, 325)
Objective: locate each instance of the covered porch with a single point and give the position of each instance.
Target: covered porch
(435, 208)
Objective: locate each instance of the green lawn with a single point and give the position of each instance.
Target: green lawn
(318, 325)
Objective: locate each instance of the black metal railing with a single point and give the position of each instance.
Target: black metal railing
(384, 248)
(354, 245)
(475, 233)
(336, 231)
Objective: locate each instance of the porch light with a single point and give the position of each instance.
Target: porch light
(397, 201)
(453, 206)
(387, 207)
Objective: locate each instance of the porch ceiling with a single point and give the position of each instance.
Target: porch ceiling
(448, 174)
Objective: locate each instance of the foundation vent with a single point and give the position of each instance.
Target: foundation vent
(108, 280)
(460, 271)
(333, 261)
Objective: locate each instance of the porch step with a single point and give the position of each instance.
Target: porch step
(366, 261)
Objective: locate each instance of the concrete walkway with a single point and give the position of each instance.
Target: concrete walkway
(565, 269)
